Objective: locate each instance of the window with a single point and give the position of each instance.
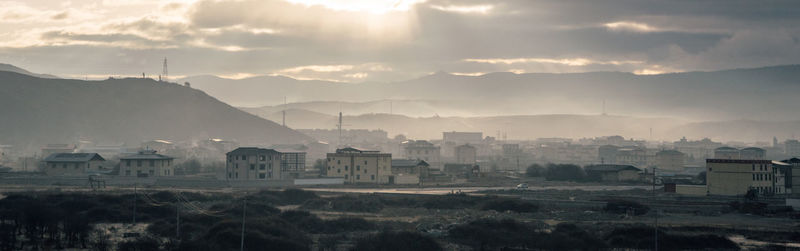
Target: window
(236, 165)
(365, 170)
(244, 157)
(138, 163)
(358, 168)
(345, 176)
(262, 167)
(64, 165)
(345, 168)
(358, 176)
(52, 165)
(252, 166)
(754, 167)
(152, 172)
(338, 162)
(372, 177)
(262, 176)
(152, 163)
(128, 162)
(754, 176)
(76, 165)
(338, 170)
(127, 172)
(365, 162)
(237, 157)
(262, 157)
(237, 175)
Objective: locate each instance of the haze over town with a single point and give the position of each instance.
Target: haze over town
(399, 125)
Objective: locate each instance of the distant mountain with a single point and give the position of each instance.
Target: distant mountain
(536, 126)
(767, 93)
(11, 68)
(37, 111)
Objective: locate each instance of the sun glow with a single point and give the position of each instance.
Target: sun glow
(371, 6)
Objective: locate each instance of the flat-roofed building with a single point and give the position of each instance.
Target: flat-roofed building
(360, 166)
(253, 163)
(423, 150)
(146, 163)
(293, 164)
(670, 160)
(737, 176)
(409, 171)
(74, 164)
(466, 154)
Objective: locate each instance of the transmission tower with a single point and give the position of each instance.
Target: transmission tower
(165, 71)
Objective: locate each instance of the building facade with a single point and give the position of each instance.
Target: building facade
(293, 164)
(737, 176)
(74, 164)
(670, 160)
(360, 166)
(146, 163)
(252, 163)
(423, 150)
(466, 154)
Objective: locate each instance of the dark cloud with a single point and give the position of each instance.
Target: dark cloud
(265, 37)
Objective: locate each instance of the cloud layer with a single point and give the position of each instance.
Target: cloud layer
(370, 40)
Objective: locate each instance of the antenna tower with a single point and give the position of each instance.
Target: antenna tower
(284, 111)
(165, 71)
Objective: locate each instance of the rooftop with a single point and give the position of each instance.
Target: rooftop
(147, 155)
(610, 168)
(73, 157)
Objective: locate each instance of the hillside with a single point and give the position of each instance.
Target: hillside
(760, 94)
(38, 111)
(12, 68)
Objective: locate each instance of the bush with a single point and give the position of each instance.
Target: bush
(397, 241)
(514, 205)
(565, 172)
(625, 206)
(535, 170)
(642, 237)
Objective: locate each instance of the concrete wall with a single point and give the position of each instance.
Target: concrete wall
(691, 190)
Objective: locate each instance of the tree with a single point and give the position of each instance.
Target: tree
(535, 170)
(320, 165)
(565, 172)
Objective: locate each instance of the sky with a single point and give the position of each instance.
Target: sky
(393, 40)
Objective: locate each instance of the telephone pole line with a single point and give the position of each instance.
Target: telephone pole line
(244, 219)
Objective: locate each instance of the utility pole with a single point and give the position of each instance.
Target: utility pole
(134, 203)
(339, 126)
(178, 220)
(656, 209)
(244, 215)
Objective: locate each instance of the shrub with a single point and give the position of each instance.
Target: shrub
(514, 205)
(625, 206)
(397, 241)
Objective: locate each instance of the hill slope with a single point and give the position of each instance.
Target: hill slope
(12, 68)
(761, 93)
(37, 111)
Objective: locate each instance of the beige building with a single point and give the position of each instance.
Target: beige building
(466, 154)
(360, 166)
(423, 150)
(670, 160)
(74, 164)
(737, 176)
(146, 163)
(252, 163)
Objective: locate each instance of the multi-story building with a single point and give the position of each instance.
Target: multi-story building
(726, 153)
(792, 148)
(738, 176)
(697, 150)
(670, 160)
(466, 154)
(146, 163)
(73, 164)
(360, 166)
(293, 164)
(635, 156)
(423, 150)
(752, 153)
(452, 139)
(252, 163)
